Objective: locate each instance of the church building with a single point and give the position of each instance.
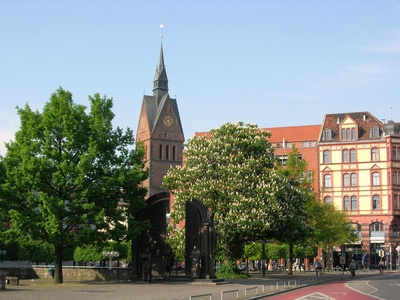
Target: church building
(160, 130)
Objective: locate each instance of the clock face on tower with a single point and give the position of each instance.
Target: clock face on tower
(168, 121)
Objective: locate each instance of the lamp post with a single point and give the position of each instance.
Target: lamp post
(110, 255)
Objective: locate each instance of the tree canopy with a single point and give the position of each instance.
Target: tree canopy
(66, 174)
(232, 172)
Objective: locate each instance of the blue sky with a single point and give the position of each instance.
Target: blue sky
(272, 63)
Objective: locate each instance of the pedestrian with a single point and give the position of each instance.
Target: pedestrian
(352, 268)
(318, 267)
(381, 264)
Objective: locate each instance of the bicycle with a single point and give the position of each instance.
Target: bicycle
(353, 273)
(320, 271)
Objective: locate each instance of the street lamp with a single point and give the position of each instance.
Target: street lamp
(110, 255)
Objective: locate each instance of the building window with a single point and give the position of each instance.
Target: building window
(309, 176)
(374, 154)
(327, 180)
(396, 199)
(345, 155)
(328, 200)
(376, 202)
(346, 179)
(352, 155)
(374, 132)
(343, 134)
(314, 144)
(346, 203)
(377, 230)
(327, 135)
(394, 153)
(375, 179)
(327, 157)
(394, 175)
(353, 179)
(174, 153)
(350, 203)
(305, 144)
(354, 205)
(353, 134)
(398, 153)
(355, 228)
(160, 152)
(395, 230)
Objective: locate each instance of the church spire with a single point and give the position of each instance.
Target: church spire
(160, 79)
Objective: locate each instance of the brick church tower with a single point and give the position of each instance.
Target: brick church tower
(160, 130)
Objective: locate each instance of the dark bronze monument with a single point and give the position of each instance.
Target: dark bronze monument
(201, 238)
(152, 241)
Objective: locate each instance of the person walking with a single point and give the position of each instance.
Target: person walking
(352, 268)
(381, 264)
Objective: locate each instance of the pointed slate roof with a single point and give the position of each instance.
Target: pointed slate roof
(161, 78)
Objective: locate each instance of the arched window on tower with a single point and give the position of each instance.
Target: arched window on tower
(167, 152)
(174, 153)
(160, 152)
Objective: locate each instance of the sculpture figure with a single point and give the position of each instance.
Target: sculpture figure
(195, 257)
(146, 266)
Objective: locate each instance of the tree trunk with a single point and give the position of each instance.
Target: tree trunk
(290, 268)
(58, 275)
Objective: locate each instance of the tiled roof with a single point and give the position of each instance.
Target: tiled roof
(294, 133)
(290, 133)
(364, 120)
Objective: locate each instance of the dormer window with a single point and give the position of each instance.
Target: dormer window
(374, 132)
(327, 135)
(348, 134)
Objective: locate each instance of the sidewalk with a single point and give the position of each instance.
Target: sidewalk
(253, 287)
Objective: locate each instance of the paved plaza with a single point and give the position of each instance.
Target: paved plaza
(163, 290)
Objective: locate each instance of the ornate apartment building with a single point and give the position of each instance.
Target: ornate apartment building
(359, 172)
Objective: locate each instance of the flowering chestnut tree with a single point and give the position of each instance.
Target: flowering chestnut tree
(232, 172)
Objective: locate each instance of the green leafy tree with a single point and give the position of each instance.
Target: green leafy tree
(231, 172)
(94, 252)
(298, 189)
(331, 226)
(70, 178)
